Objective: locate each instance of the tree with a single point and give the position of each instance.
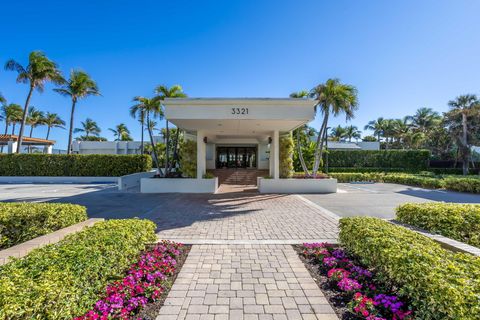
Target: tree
(137, 112)
(10, 114)
(3, 101)
(302, 94)
(79, 86)
(39, 70)
(52, 120)
(89, 127)
(151, 108)
(35, 118)
(352, 132)
(377, 126)
(90, 138)
(338, 133)
(121, 132)
(164, 92)
(424, 119)
(369, 139)
(333, 98)
(463, 111)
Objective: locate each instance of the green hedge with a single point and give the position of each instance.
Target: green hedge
(453, 183)
(409, 160)
(63, 280)
(20, 222)
(94, 165)
(456, 221)
(439, 283)
(369, 170)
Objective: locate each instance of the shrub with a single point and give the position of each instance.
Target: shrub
(439, 283)
(188, 158)
(456, 221)
(410, 160)
(62, 280)
(462, 184)
(286, 156)
(20, 222)
(94, 165)
(368, 170)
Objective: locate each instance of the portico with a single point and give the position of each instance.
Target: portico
(239, 133)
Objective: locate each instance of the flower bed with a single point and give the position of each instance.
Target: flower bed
(145, 283)
(356, 292)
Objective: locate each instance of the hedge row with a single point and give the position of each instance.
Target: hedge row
(456, 221)
(368, 170)
(63, 280)
(93, 165)
(20, 222)
(454, 183)
(439, 283)
(412, 160)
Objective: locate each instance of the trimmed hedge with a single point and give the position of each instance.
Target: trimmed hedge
(368, 170)
(73, 165)
(439, 283)
(63, 280)
(20, 222)
(409, 160)
(457, 221)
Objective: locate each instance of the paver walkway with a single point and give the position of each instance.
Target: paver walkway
(245, 282)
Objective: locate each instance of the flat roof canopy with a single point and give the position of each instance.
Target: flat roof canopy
(239, 117)
(27, 141)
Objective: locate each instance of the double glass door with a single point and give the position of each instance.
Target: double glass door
(236, 157)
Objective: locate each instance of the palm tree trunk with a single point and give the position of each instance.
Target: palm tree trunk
(13, 128)
(48, 133)
(175, 147)
(154, 151)
(300, 154)
(465, 144)
(141, 143)
(24, 119)
(167, 151)
(70, 130)
(31, 131)
(319, 146)
(6, 131)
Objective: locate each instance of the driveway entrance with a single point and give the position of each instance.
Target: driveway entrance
(231, 180)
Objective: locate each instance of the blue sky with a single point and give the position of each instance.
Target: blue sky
(401, 55)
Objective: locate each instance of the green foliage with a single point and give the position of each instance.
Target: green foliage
(73, 165)
(20, 222)
(62, 280)
(208, 175)
(367, 170)
(439, 283)
(462, 184)
(286, 156)
(405, 159)
(308, 151)
(457, 221)
(188, 158)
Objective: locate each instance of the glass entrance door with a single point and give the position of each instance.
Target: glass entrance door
(236, 157)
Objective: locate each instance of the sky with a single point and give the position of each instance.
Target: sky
(400, 55)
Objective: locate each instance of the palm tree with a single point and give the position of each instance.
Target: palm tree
(302, 94)
(333, 98)
(10, 114)
(352, 132)
(89, 127)
(2, 99)
(79, 86)
(35, 118)
(150, 107)
(138, 112)
(424, 119)
(377, 126)
(163, 92)
(52, 120)
(338, 133)
(121, 132)
(464, 106)
(39, 70)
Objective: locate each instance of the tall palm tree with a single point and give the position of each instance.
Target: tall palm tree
(39, 70)
(79, 86)
(121, 132)
(425, 118)
(10, 114)
(53, 120)
(151, 108)
(333, 98)
(163, 92)
(2, 99)
(89, 127)
(352, 132)
(35, 118)
(377, 126)
(338, 133)
(137, 112)
(302, 94)
(464, 106)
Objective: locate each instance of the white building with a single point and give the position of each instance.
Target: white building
(110, 147)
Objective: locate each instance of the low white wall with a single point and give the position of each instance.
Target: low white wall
(133, 180)
(181, 185)
(297, 185)
(38, 179)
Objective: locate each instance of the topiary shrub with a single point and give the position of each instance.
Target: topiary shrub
(73, 165)
(20, 222)
(286, 156)
(62, 280)
(188, 159)
(457, 221)
(439, 283)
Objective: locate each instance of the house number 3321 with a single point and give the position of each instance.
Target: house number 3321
(239, 110)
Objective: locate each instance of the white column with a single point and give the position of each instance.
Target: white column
(276, 154)
(48, 149)
(12, 146)
(201, 155)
